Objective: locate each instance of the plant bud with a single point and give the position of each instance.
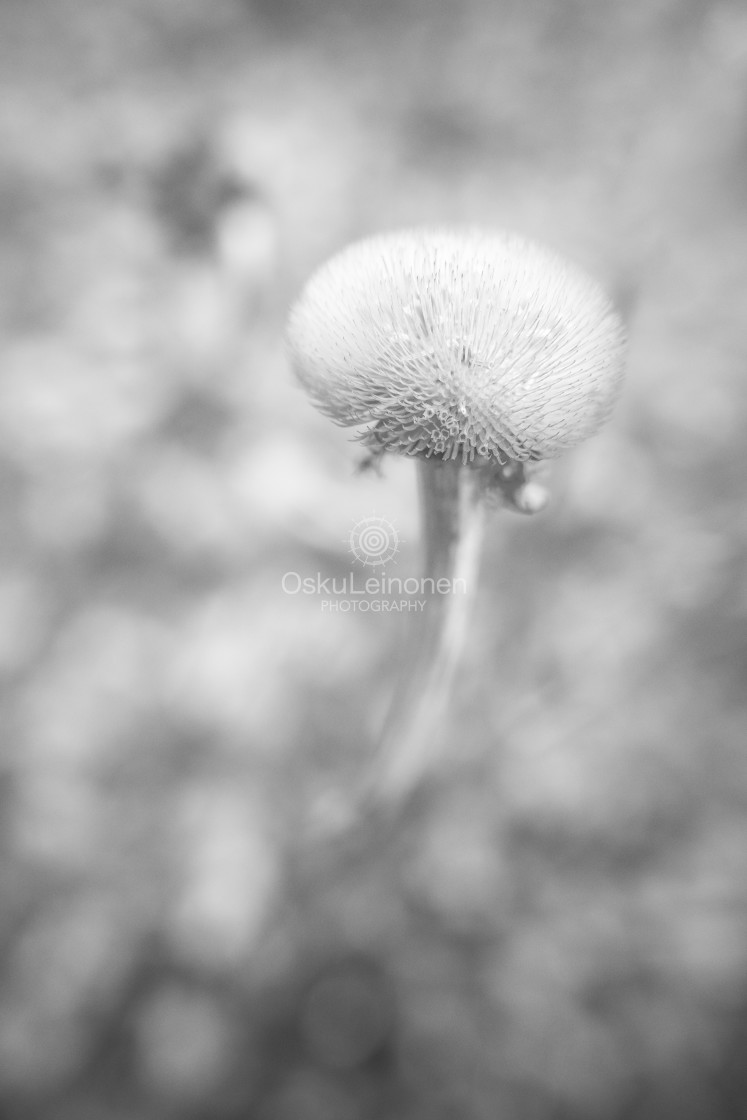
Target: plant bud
(470, 345)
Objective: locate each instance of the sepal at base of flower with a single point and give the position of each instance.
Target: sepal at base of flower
(514, 486)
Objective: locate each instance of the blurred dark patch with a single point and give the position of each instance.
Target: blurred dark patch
(199, 422)
(454, 137)
(294, 18)
(191, 190)
(24, 218)
(347, 1016)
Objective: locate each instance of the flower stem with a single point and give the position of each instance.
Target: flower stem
(453, 513)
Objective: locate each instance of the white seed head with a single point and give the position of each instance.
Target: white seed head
(464, 344)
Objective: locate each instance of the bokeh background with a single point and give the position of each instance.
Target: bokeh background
(557, 928)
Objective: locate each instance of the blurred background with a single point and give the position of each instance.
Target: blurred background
(558, 927)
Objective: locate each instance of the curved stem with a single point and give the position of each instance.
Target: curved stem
(453, 520)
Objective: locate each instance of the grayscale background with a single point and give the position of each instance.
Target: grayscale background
(557, 928)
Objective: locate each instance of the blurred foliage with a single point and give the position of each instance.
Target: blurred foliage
(559, 928)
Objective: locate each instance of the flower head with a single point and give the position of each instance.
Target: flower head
(469, 345)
